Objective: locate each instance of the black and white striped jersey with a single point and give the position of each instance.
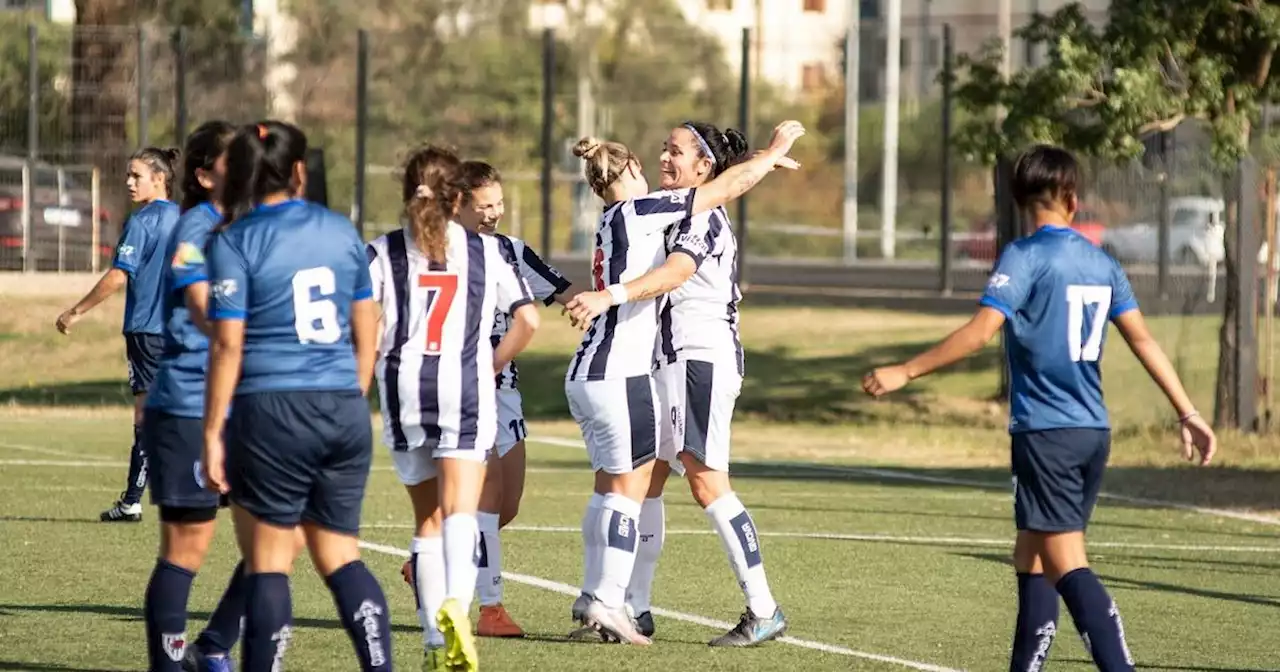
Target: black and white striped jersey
(544, 281)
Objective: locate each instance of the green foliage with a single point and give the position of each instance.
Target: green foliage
(1154, 65)
(51, 51)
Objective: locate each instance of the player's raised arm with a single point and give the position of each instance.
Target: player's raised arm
(738, 180)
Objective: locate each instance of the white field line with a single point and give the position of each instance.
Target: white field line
(47, 451)
(73, 464)
(566, 589)
(922, 478)
(889, 538)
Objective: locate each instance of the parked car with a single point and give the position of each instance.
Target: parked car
(1196, 229)
(61, 205)
(980, 242)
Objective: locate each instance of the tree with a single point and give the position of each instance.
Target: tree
(1155, 65)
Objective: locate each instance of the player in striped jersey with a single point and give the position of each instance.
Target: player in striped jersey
(440, 287)
(608, 385)
(699, 362)
(290, 299)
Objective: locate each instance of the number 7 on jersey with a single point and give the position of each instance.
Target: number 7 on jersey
(441, 287)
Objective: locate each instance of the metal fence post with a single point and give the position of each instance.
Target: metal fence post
(548, 124)
(945, 281)
(362, 128)
(1162, 234)
(180, 84)
(143, 77)
(1246, 239)
(33, 142)
(852, 95)
(744, 122)
(1008, 229)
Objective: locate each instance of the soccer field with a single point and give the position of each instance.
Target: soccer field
(886, 526)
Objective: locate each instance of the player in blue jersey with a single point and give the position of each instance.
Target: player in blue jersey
(139, 263)
(1053, 294)
(294, 342)
(172, 429)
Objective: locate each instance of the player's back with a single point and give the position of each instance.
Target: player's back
(629, 243)
(302, 266)
(141, 254)
(179, 384)
(436, 364)
(699, 319)
(1057, 291)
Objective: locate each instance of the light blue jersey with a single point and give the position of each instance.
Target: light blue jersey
(140, 253)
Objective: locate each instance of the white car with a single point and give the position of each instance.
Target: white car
(1196, 227)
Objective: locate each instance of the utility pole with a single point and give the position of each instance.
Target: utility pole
(892, 77)
(852, 70)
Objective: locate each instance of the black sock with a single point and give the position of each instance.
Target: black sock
(268, 622)
(1097, 619)
(165, 610)
(224, 625)
(137, 469)
(1037, 623)
(362, 608)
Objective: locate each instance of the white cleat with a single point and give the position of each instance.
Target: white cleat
(613, 623)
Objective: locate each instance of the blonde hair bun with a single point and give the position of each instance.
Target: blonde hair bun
(587, 148)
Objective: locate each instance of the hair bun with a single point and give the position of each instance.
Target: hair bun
(736, 143)
(587, 148)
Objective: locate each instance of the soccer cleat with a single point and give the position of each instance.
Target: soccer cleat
(122, 513)
(459, 644)
(613, 624)
(435, 660)
(197, 661)
(644, 624)
(752, 630)
(496, 622)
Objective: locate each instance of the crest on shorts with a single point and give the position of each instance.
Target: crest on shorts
(198, 473)
(174, 644)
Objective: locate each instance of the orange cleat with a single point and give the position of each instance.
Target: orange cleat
(496, 622)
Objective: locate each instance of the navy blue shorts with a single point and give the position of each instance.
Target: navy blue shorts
(174, 445)
(1057, 474)
(143, 352)
(295, 456)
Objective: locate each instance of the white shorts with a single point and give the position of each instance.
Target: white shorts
(619, 421)
(419, 465)
(511, 429)
(697, 400)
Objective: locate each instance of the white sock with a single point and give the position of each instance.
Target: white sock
(591, 544)
(489, 578)
(653, 533)
(617, 527)
(742, 544)
(461, 541)
(428, 580)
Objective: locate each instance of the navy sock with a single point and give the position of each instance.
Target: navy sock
(224, 625)
(1097, 619)
(137, 469)
(268, 621)
(1037, 623)
(165, 610)
(362, 608)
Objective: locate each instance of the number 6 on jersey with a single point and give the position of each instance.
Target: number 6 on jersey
(441, 287)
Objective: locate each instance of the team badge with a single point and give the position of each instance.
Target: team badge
(175, 645)
(998, 280)
(198, 474)
(187, 256)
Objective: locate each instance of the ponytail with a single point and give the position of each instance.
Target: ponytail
(260, 162)
(431, 189)
(159, 161)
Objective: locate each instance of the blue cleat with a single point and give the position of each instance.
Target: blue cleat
(197, 661)
(752, 630)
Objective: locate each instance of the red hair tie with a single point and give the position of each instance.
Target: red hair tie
(262, 132)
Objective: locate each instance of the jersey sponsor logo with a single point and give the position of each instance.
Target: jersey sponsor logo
(125, 251)
(224, 289)
(677, 197)
(693, 243)
(187, 256)
(174, 645)
(998, 280)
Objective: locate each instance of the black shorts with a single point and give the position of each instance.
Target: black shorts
(1057, 475)
(295, 456)
(174, 446)
(143, 352)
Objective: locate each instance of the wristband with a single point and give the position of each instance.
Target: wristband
(1188, 416)
(617, 293)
